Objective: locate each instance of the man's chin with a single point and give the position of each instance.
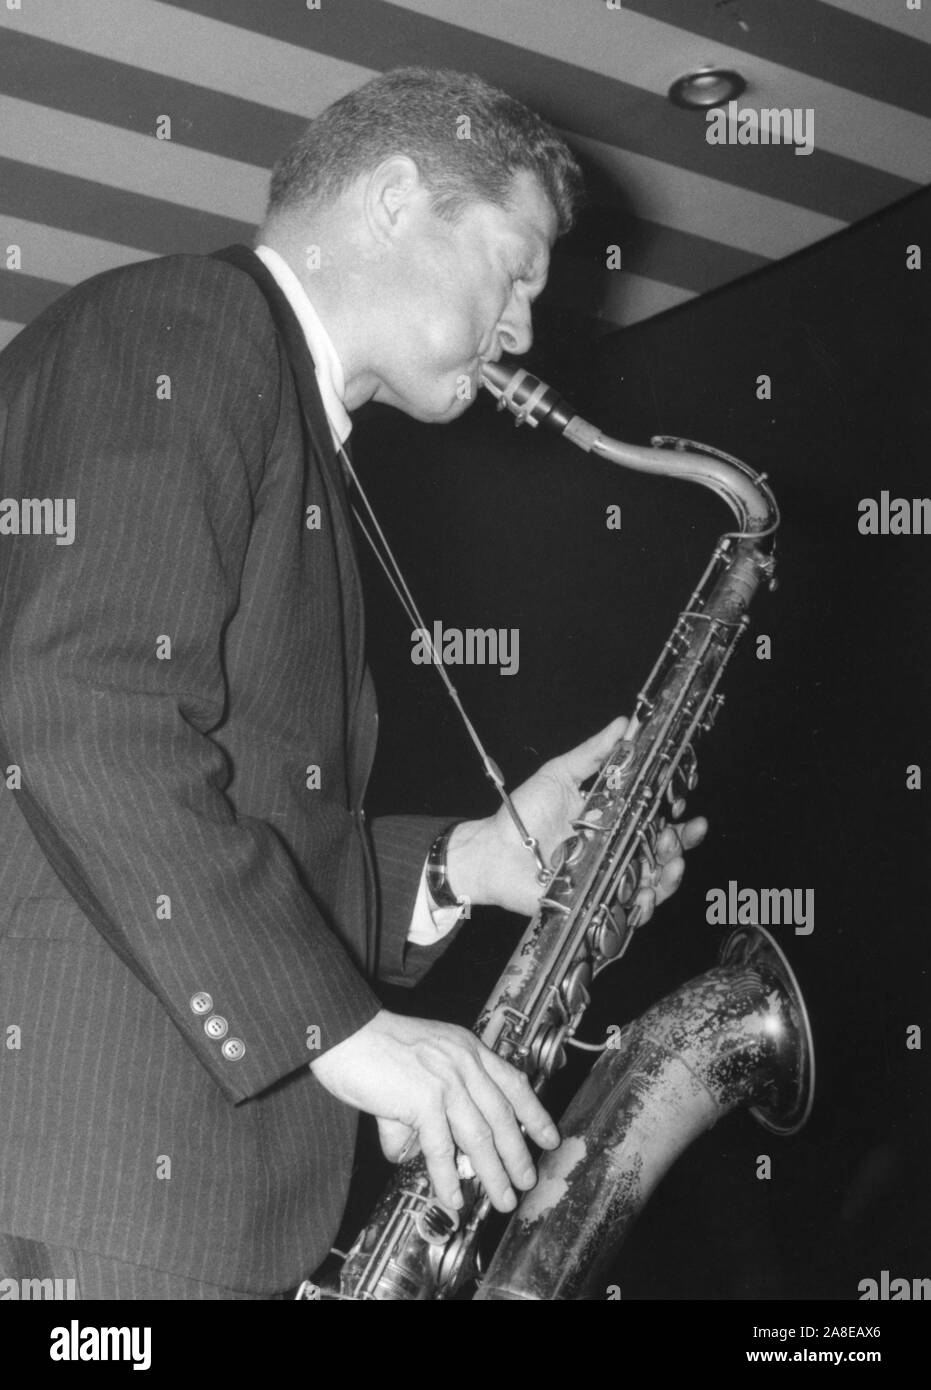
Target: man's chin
(433, 413)
(458, 406)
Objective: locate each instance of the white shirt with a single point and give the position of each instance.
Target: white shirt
(428, 924)
(329, 369)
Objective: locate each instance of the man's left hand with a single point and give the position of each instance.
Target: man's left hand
(487, 862)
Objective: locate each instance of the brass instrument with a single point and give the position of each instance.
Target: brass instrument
(736, 1035)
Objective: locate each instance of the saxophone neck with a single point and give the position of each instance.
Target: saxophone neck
(745, 491)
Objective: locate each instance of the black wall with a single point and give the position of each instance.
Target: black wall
(804, 776)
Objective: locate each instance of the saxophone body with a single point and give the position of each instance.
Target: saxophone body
(415, 1249)
(735, 1036)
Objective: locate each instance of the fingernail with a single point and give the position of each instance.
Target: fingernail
(509, 1201)
(527, 1177)
(456, 1201)
(551, 1135)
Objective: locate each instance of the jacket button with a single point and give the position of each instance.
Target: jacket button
(216, 1026)
(201, 1003)
(233, 1049)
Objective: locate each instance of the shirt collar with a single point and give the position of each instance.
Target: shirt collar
(329, 369)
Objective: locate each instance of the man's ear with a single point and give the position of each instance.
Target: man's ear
(391, 191)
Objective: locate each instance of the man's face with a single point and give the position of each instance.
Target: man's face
(460, 295)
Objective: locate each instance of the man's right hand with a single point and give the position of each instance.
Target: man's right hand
(439, 1082)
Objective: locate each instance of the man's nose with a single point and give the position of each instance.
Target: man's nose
(515, 331)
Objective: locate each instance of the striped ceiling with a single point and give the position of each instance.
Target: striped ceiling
(85, 186)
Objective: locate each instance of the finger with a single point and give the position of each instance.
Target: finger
(499, 1119)
(478, 1141)
(439, 1152)
(398, 1141)
(669, 879)
(527, 1107)
(692, 832)
(585, 760)
(642, 907)
(668, 845)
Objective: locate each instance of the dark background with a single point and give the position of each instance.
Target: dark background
(803, 777)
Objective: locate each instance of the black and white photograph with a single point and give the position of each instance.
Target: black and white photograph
(465, 664)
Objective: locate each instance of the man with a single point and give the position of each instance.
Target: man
(190, 914)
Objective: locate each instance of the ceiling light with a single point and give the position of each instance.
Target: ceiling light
(699, 91)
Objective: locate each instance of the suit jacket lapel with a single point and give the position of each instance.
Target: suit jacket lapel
(361, 716)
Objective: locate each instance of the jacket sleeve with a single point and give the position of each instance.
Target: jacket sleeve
(150, 405)
(401, 847)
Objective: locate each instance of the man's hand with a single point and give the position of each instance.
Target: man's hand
(488, 864)
(439, 1082)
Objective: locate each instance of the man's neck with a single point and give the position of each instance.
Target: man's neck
(333, 290)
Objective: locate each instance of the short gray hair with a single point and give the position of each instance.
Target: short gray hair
(422, 113)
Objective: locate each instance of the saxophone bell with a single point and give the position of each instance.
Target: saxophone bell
(736, 1036)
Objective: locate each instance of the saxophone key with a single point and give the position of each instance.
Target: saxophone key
(436, 1223)
(628, 883)
(711, 713)
(453, 1264)
(622, 755)
(589, 827)
(554, 905)
(686, 774)
(574, 988)
(547, 1052)
(643, 708)
(647, 836)
(606, 934)
(677, 803)
(572, 850)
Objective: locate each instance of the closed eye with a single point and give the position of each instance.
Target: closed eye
(533, 282)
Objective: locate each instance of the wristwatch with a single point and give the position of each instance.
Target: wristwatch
(437, 883)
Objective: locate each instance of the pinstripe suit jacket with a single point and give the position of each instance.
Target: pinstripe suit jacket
(181, 915)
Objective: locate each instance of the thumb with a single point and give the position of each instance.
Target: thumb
(586, 759)
(395, 1138)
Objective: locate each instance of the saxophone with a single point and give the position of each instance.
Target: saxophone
(738, 1035)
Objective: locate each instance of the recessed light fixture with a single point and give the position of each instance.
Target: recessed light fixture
(699, 91)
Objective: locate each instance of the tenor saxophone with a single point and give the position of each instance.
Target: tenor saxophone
(736, 1036)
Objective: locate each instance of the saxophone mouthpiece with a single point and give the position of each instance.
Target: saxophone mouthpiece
(528, 398)
(495, 377)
